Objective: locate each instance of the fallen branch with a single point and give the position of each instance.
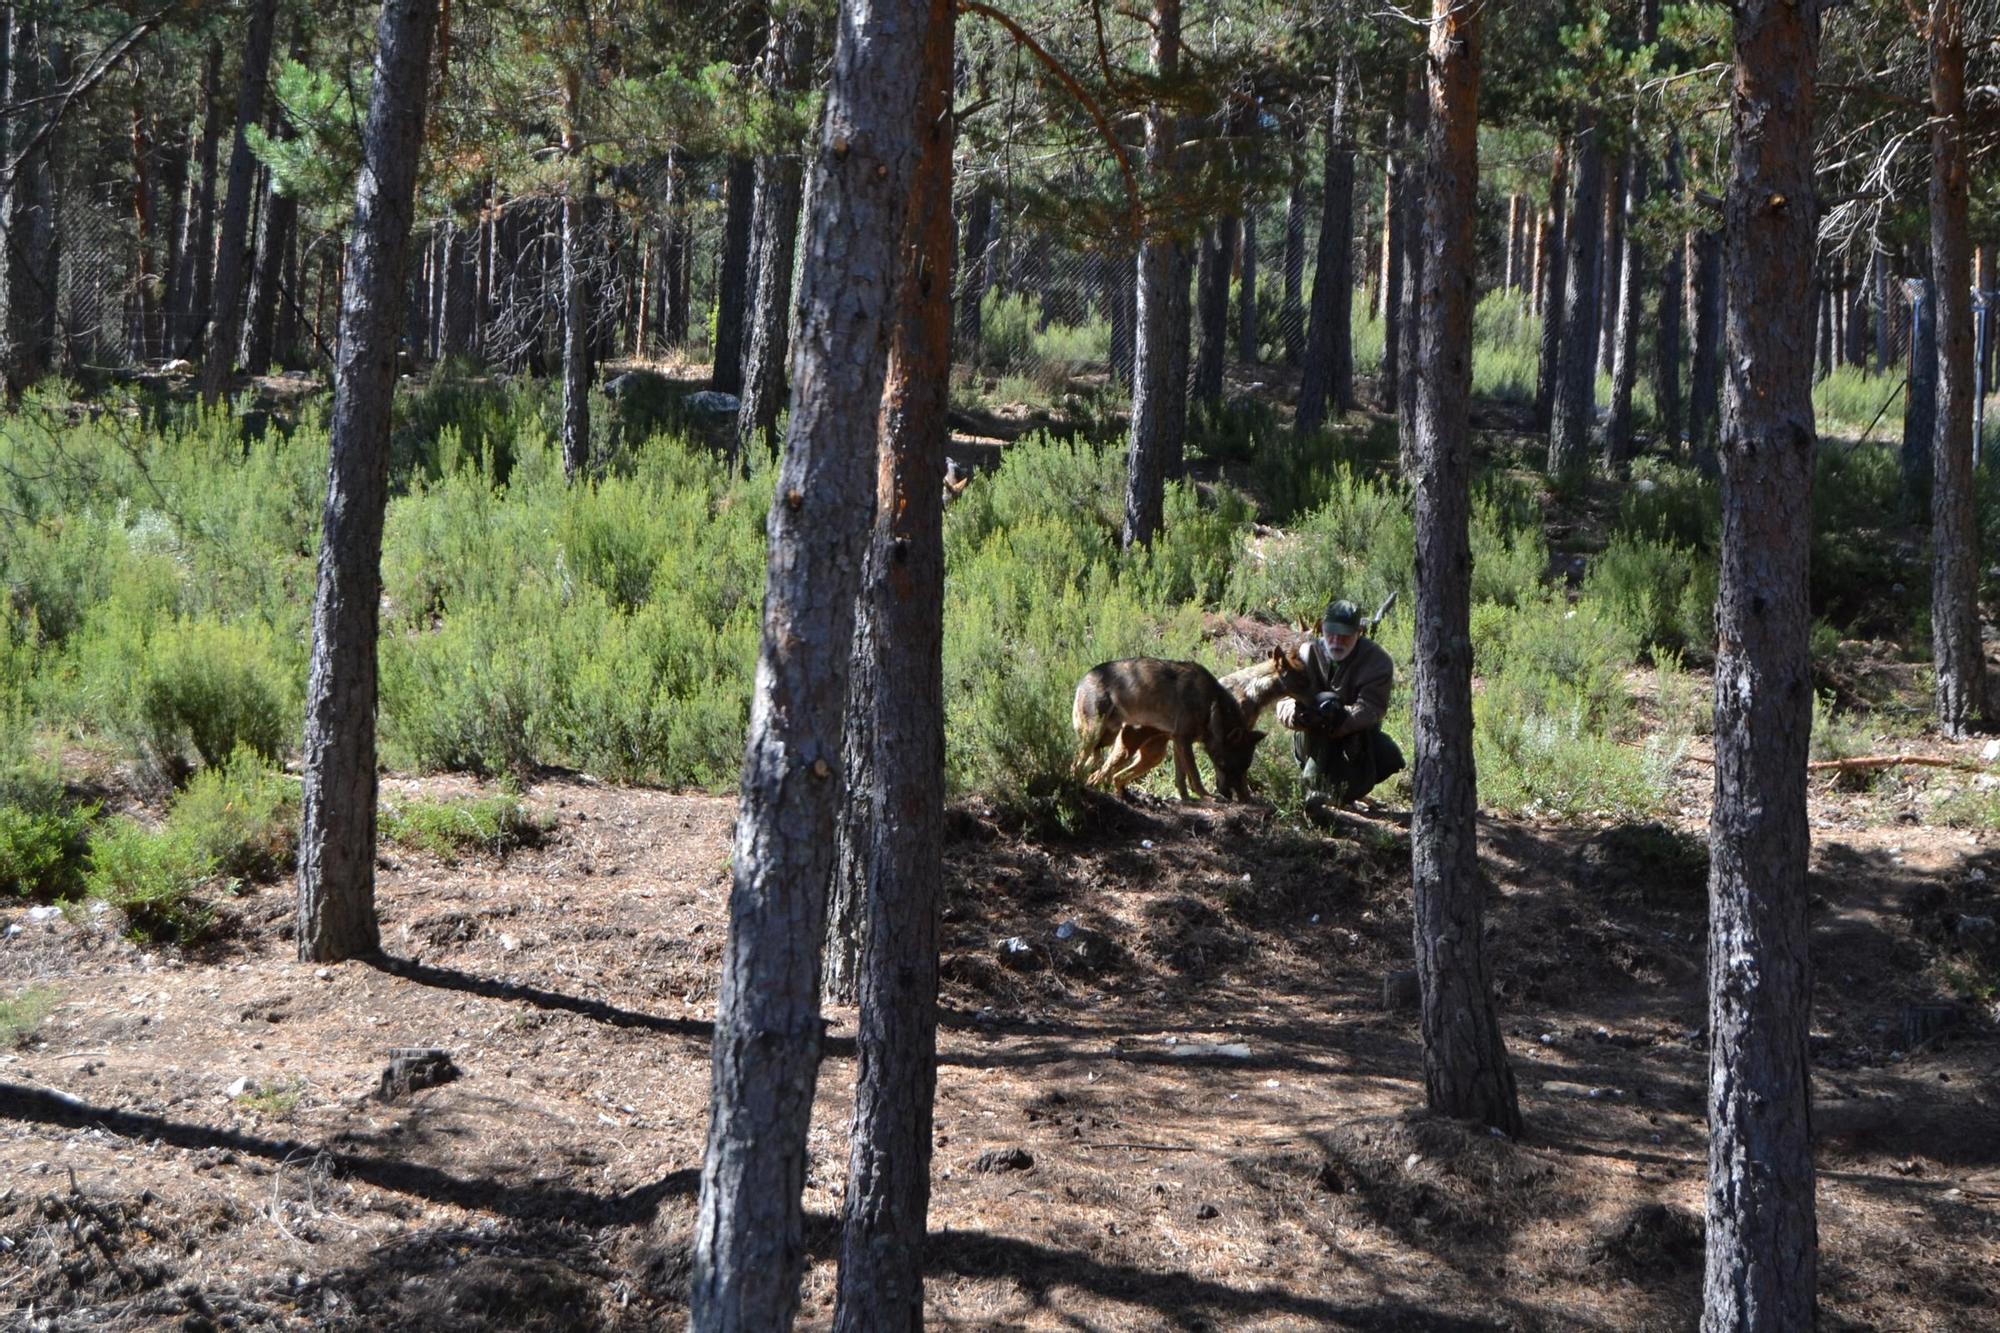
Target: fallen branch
(1863, 763)
(1145, 1147)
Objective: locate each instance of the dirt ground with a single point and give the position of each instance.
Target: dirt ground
(1187, 1040)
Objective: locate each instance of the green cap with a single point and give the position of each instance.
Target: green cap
(1341, 618)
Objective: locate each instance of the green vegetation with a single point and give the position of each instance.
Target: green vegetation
(160, 573)
(22, 1013)
(495, 824)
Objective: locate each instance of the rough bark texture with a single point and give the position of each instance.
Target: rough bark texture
(1154, 386)
(1395, 172)
(732, 294)
(1705, 357)
(773, 242)
(1920, 402)
(147, 288)
(575, 323)
(1667, 346)
(1218, 256)
(1246, 288)
(1328, 375)
(1955, 647)
(1292, 311)
(337, 840)
(1466, 1073)
(1576, 357)
(901, 637)
(225, 321)
(972, 274)
(1884, 350)
(1610, 260)
(26, 232)
(1762, 1248)
(1552, 265)
(749, 1244)
(197, 245)
(1411, 240)
(279, 217)
(1625, 337)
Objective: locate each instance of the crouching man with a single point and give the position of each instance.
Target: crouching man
(1337, 734)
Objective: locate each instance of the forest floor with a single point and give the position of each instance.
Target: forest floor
(1217, 1118)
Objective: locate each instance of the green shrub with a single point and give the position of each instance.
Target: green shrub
(21, 1015)
(1546, 658)
(153, 877)
(1359, 544)
(1663, 594)
(41, 850)
(184, 685)
(1558, 763)
(243, 816)
(496, 824)
(1670, 503)
(1506, 349)
(1847, 401)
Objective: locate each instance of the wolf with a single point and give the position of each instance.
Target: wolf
(1140, 749)
(1145, 703)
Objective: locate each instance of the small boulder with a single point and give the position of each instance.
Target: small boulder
(1004, 1159)
(414, 1068)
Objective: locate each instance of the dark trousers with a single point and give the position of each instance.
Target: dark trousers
(1347, 768)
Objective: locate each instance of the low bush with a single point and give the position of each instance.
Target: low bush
(154, 879)
(22, 1013)
(497, 824)
(1661, 593)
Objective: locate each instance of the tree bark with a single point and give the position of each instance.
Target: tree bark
(972, 275)
(1762, 1247)
(337, 840)
(1410, 239)
(1955, 646)
(274, 241)
(1396, 169)
(1466, 1073)
(1552, 266)
(26, 230)
(1667, 346)
(198, 242)
(1855, 351)
(899, 685)
(1576, 359)
(1705, 358)
(225, 322)
(1328, 374)
(1610, 261)
(732, 295)
(1920, 414)
(147, 345)
(1217, 258)
(1631, 279)
(749, 1246)
(787, 63)
(1292, 312)
(1154, 384)
(1884, 309)
(1246, 290)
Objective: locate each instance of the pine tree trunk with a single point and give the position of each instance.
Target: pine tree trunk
(1762, 1248)
(1920, 414)
(1414, 244)
(1466, 1074)
(1576, 359)
(173, 192)
(1884, 310)
(1396, 206)
(26, 293)
(461, 280)
(899, 661)
(1552, 267)
(147, 282)
(225, 324)
(1955, 646)
(1510, 247)
(1855, 352)
(279, 216)
(1667, 346)
(198, 244)
(1328, 374)
(972, 276)
(732, 296)
(1154, 384)
(1291, 318)
(749, 1245)
(337, 840)
(1217, 258)
(1705, 358)
(576, 329)
(1246, 289)
(1631, 282)
(773, 243)
(1611, 260)
(291, 313)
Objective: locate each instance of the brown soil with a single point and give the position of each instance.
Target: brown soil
(1220, 1118)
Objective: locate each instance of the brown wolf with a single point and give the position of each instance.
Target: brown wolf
(1256, 687)
(1145, 702)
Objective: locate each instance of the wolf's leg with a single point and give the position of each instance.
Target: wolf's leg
(1185, 771)
(1146, 757)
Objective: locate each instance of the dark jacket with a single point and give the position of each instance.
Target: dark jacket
(1351, 696)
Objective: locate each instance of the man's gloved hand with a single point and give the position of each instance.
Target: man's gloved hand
(1288, 709)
